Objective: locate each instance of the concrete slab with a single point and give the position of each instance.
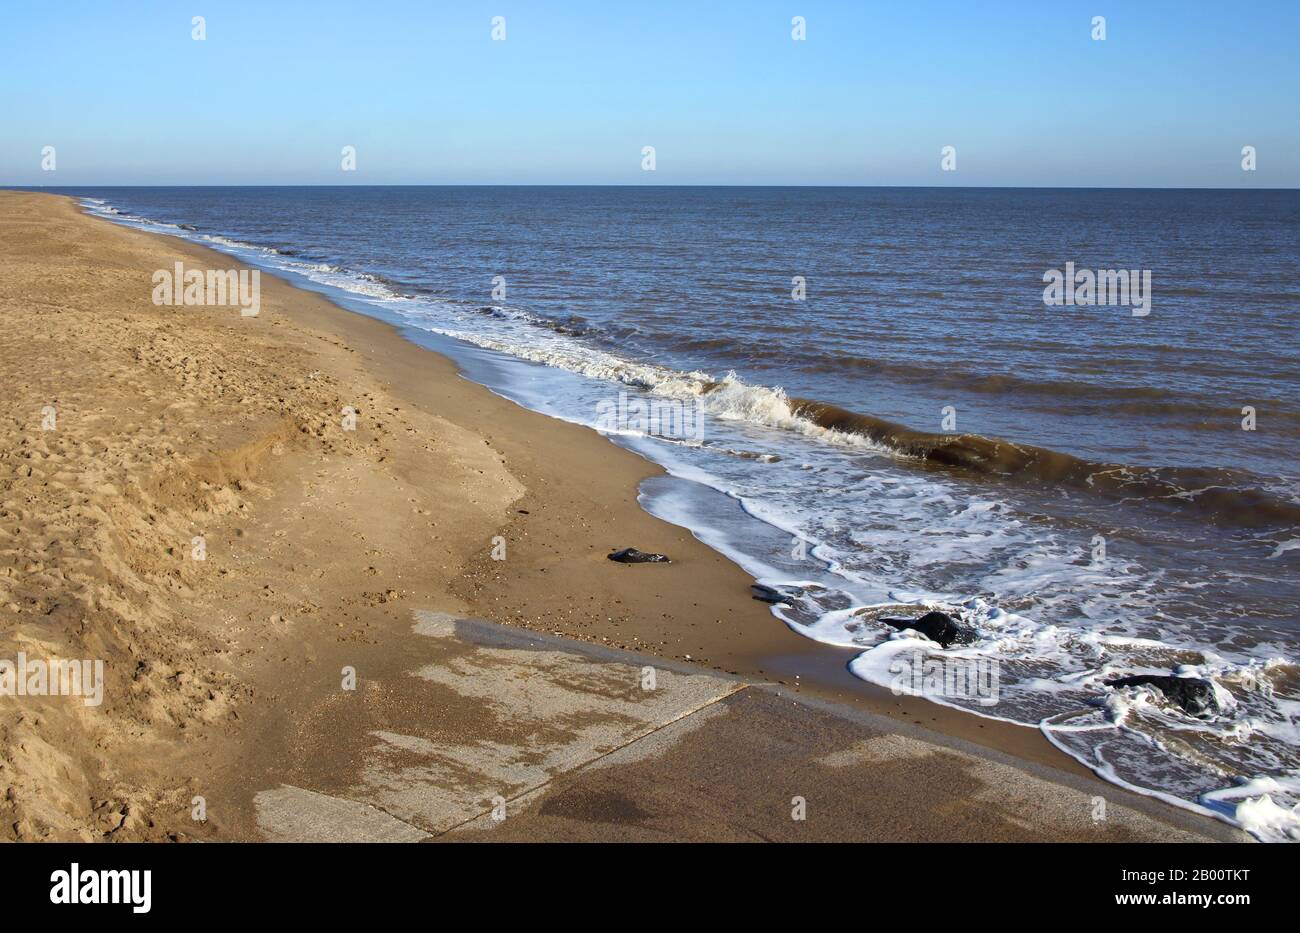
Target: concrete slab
(528, 707)
(504, 734)
(293, 814)
(555, 706)
(762, 765)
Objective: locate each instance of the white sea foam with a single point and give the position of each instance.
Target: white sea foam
(1283, 547)
(1254, 805)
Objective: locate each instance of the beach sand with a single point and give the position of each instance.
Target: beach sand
(273, 677)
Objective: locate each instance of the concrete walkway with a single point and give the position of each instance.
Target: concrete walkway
(544, 738)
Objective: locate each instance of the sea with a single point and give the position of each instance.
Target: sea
(1068, 418)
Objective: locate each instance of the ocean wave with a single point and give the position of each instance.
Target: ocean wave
(1225, 496)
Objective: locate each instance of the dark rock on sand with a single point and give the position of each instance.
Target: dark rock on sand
(938, 626)
(630, 555)
(1193, 694)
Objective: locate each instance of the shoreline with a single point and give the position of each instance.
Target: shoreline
(298, 516)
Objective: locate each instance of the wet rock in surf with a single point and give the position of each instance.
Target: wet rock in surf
(939, 627)
(1193, 694)
(766, 594)
(630, 555)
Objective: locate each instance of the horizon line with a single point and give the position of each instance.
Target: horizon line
(578, 185)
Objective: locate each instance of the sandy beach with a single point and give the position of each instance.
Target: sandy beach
(273, 531)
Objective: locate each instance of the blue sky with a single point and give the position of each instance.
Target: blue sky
(720, 89)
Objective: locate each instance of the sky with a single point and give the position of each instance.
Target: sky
(1021, 90)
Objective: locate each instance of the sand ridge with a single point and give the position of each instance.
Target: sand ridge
(131, 432)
